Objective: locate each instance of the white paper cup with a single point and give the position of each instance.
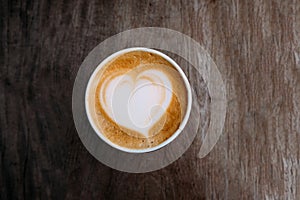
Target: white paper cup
(183, 122)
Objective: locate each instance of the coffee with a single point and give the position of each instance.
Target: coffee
(137, 100)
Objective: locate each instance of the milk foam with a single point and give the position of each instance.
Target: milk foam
(138, 99)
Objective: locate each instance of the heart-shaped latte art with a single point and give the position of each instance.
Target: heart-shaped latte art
(137, 100)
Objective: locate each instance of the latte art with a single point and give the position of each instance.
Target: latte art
(139, 100)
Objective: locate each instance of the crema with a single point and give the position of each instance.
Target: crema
(138, 100)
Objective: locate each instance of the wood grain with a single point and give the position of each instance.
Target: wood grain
(256, 45)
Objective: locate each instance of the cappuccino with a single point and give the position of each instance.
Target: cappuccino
(137, 100)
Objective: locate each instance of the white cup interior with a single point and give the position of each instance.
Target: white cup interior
(182, 124)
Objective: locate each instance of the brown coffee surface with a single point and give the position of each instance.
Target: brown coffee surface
(134, 63)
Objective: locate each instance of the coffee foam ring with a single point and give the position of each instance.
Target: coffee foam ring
(165, 120)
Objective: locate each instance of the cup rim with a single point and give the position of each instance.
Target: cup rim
(183, 122)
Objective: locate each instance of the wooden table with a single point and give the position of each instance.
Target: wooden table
(256, 46)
